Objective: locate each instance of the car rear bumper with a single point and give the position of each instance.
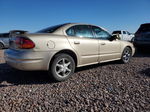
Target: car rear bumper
(27, 60)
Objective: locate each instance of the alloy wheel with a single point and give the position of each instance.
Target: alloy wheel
(126, 55)
(63, 67)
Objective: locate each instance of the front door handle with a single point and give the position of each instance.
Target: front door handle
(76, 42)
(103, 43)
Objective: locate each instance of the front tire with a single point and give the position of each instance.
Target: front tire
(126, 55)
(62, 67)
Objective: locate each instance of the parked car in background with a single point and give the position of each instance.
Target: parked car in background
(4, 40)
(142, 36)
(60, 49)
(124, 35)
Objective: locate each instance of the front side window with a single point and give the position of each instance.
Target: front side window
(100, 33)
(124, 32)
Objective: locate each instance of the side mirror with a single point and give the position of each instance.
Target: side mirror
(114, 37)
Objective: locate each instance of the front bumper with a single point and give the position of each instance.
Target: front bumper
(28, 60)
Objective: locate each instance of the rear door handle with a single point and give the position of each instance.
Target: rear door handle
(103, 43)
(76, 42)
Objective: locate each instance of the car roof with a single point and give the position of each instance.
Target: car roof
(72, 24)
(61, 30)
(65, 26)
(146, 24)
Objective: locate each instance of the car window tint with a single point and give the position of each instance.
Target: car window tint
(4, 35)
(51, 29)
(70, 31)
(116, 32)
(83, 31)
(128, 33)
(124, 32)
(100, 33)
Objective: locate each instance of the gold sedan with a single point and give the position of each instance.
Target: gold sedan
(60, 49)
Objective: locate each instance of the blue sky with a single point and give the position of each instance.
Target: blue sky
(33, 15)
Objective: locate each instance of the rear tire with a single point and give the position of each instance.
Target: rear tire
(62, 67)
(126, 55)
(1, 46)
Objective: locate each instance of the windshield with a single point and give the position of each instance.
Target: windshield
(116, 32)
(51, 29)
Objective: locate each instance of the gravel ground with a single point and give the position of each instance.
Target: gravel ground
(105, 88)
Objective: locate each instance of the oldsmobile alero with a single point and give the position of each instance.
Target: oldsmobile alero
(60, 49)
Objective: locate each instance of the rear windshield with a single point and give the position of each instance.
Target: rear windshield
(116, 32)
(51, 29)
(144, 28)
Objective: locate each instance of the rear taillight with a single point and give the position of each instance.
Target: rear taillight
(24, 43)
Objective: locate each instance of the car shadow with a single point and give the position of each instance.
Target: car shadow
(142, 53)
(96, 66)
(145, 72)
(11, 77)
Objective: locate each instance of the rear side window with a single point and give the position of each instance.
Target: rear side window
(80, 31)
(124, 32)
(70, 31)
(83, 31)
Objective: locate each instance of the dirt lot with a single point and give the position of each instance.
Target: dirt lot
(105, 87)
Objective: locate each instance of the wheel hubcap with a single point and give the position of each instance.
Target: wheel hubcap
(126, 55)
(63, 67)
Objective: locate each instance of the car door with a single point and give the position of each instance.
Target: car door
(129, 36)
(125, 35)
(108, 49)
(82, 40)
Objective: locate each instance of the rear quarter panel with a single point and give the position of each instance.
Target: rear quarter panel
(51, 43)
